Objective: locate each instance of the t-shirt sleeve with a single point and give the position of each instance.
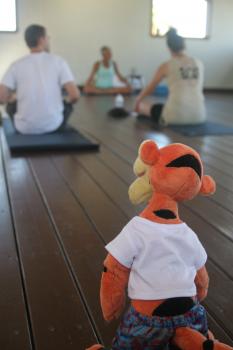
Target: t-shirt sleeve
(124, 247)
(201, 256)
(9, 78)
(65, 73)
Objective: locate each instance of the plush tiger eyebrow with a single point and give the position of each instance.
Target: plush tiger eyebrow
(187, 161)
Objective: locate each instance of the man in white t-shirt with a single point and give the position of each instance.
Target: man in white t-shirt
(37, 80)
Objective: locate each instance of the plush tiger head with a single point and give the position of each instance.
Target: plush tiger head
(175, 170)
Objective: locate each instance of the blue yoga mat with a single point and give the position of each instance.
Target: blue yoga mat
(207, 128)
(161, 90)
(68, 139)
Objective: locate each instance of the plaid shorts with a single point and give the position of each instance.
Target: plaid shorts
(139, 332)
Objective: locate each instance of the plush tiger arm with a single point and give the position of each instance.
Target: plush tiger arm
(202, 283)
(113, 284)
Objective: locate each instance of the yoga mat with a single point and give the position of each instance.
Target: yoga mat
(207, 128)
(67, 139)
(161, 90)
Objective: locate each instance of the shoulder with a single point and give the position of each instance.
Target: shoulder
(20, 61)
(163, 68)
(133, 228)
(191, 234)
(173, 62)
(136, 228)
(130, 234)
(52, 59)
(188, 229)
(55, 58)
(115, 66)
(164, 64)
(97, 64)
(138, 221)
(59, 62)
(196, 60)
(132, 224)
(141, 226)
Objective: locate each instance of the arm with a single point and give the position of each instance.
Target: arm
(92, 75)
(5, 94)
(160, 74)
(8, 85)
(119, 75)
(202, 283)
(113, 284)
(72, 92)
(67, 82)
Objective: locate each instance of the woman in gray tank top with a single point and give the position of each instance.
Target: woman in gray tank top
(184, 75)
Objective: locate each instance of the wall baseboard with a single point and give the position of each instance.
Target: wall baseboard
(218, 90)
(207, 90)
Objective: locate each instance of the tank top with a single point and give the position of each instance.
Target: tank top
(185, 103)
(104, 76)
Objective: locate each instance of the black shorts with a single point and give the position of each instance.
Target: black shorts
(156, 112)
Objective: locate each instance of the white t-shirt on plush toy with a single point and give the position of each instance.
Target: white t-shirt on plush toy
(163, 258)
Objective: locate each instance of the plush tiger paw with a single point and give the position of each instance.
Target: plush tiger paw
(215, 345)
(96, 347)
(187, 338)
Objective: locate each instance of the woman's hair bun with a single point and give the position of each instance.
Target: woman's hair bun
(174, 41)
(172, 32)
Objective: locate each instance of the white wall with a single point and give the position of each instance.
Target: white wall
(79, 27)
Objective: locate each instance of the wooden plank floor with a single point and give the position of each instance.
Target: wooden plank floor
(59, 210)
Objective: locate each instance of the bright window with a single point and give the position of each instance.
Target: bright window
(189, 17)
(8, 16)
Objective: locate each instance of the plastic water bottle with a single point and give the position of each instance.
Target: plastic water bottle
(119, 101)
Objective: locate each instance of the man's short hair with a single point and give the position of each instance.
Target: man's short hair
(103, 48)
(33, 33)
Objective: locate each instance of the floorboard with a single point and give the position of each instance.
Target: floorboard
(79, 235)
(15, 325)
(58, 210)
(59, 319)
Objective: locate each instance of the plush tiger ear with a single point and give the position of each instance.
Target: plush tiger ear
(149, 152)
(208, 185)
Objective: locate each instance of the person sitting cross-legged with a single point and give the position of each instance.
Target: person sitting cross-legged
(33, 87)
(105, 77)
(184, 74)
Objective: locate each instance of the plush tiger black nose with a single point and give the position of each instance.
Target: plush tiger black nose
(186, 161)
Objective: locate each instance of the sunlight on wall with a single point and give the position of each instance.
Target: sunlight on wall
(189, 17)
(7, 16)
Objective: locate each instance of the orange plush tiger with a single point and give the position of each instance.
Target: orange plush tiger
(160, 258)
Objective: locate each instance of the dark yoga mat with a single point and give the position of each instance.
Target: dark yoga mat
(207, 128)
(68, 139)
